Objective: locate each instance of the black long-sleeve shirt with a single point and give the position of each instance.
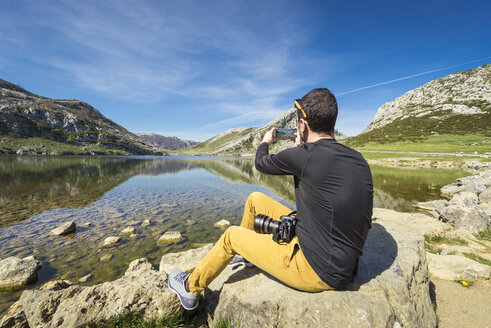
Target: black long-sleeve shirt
(334, 198)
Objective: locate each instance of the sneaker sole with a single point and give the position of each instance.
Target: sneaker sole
(180, 299)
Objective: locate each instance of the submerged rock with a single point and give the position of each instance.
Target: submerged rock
(86, 278)
(222, 224)
(171, 237)
(16, 272)
(110, 241)
(64, 229)
(145, 222)
(129, 230)
(106, 257)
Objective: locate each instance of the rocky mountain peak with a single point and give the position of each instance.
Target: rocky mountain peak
(461, 93)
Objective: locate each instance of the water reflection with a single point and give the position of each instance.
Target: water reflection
(183, 194)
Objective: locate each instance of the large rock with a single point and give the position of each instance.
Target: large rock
(186, 261)
(14, 318)
(64, 229)
(464, 198)
(485, 196)
(16, 272)
(476, 184)
(471, 218)
(455, 267)
(142, 290)
(416, 223)
(390, 290)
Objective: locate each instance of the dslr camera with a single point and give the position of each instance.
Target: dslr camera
(283, 231)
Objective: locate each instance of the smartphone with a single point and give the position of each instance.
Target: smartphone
(285, 134)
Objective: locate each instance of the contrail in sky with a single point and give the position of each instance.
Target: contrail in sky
(408, 77)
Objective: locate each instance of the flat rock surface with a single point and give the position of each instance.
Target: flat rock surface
(455, 267)
(392, 287)
(16, 272)
(185, 261)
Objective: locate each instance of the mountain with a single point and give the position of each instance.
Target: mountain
(457, 104)
(33, 124)
(172, 143)
(244, 141)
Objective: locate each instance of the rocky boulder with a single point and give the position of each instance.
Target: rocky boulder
(142, 290)
(468, 217)
(454, 267)
(392, 287)
(390, 290)
(16, 272)
(64, 229)
(186, 261)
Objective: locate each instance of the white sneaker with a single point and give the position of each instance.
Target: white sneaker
(239, 260)
(177, 283)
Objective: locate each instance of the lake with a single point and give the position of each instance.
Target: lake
(185, 194)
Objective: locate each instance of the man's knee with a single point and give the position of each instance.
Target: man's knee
(255, 196)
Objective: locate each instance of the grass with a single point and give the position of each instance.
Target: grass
(432, 243)
(225, 322)
(477, 258)
(133, 320)
(9, 144)
(412, 157)
(484, 235)
(444, 240)
(444, 143)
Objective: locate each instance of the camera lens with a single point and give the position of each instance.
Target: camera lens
(265, 224)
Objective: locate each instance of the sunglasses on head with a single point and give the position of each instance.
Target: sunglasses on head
(297, 106)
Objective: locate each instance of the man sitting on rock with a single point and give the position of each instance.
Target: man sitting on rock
(334, 197)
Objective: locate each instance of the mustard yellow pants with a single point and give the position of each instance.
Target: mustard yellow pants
(285, 262)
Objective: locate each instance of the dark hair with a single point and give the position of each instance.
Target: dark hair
(322, 110)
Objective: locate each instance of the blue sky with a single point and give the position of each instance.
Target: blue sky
(193, 69)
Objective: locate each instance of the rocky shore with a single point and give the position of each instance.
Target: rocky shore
(392, 289)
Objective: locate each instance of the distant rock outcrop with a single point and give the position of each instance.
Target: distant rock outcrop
(73, 122)
(459, 103)
(244, 141)
(171, 143)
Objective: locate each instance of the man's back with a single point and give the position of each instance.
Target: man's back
(334, 198)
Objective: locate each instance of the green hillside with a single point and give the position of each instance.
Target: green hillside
(450, 114)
